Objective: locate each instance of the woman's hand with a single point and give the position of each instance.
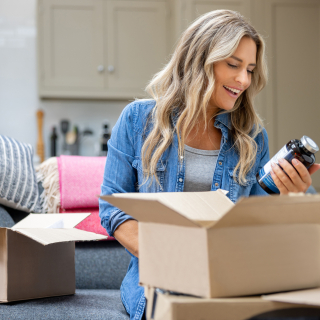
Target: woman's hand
(297, 179)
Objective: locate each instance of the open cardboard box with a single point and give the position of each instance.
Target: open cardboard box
(37, 256)
(165, 306)
(202, 244)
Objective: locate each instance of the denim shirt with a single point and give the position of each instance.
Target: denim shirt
(123, 173)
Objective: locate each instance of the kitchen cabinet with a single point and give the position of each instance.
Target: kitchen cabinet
(100, 49)
(135, 43)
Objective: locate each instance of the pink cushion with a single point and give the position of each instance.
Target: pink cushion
(80, 181)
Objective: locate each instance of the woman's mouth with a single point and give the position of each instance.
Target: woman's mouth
(234, 93)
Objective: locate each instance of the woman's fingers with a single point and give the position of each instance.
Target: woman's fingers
(303, 172)
(283, 177)
(298, 176)
(282, 188)
(292, 178)
(314, 168)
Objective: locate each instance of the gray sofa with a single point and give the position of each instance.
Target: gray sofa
(100, 268)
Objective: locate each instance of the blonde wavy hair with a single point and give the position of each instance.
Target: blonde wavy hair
(184, 87)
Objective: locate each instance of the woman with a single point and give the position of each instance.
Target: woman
(199, 133)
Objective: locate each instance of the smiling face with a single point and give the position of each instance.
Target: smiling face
(233, 75)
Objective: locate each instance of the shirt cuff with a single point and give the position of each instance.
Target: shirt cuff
(116, 219)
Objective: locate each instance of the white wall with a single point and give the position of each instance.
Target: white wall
(18, 84)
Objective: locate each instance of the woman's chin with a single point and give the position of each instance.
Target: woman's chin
(227, 107)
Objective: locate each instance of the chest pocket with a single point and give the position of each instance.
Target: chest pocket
(237, 190)
(151, 185)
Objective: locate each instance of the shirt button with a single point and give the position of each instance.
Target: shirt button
(220, 163)
(180, 180)
(181, 157)
(216, 184)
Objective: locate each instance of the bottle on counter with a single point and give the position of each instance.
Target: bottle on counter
(64, 126)
(105, 136)
(302, 150)
(53, 142)
(88, 143)
(72, 139)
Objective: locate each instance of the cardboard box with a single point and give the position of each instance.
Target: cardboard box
(204, 245)
(164, 306)
(37, 256)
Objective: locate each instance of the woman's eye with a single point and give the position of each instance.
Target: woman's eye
(233, 66)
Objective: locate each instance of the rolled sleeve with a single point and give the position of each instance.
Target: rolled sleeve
(256, 189)
(119, 175)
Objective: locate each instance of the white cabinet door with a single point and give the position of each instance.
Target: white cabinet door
(136, 43)
(71, 45)
(192, 9)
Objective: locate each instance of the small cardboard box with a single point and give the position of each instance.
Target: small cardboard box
(164, 306)
(37, 256)
(204, 245)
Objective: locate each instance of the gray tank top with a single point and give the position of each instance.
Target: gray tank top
(200, 166)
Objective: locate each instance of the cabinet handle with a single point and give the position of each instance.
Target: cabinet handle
(110, 69)
(100, 68)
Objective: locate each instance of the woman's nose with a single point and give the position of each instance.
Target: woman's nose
(243, 78)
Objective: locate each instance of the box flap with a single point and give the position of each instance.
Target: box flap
(178, 208)
(52, 220)
(309, 297)
(49, 236)
(149, 211)
(272, 210)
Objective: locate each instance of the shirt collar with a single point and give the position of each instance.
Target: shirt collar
(223, 118)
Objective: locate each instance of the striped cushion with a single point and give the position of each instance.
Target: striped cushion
(18, 184)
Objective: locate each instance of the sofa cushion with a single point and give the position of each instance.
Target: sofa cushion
(100, 264)
(84, 305)
(5, 219)
(18, 184)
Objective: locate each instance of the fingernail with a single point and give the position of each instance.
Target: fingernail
(295, 162)
(281, 160)
(273, 164)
